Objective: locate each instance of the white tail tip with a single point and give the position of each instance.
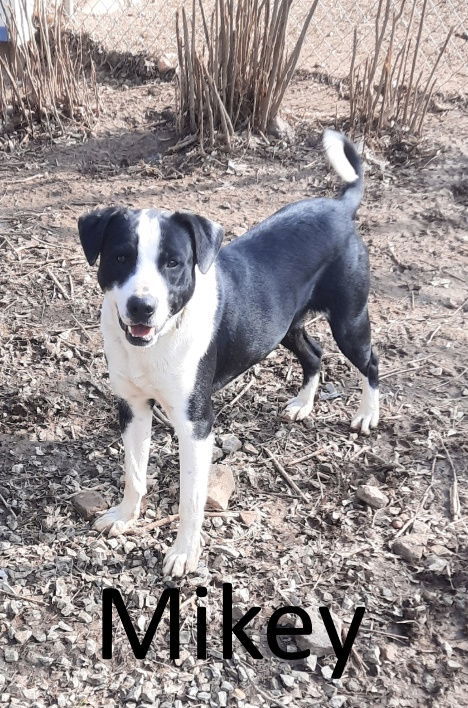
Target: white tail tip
(334, 147)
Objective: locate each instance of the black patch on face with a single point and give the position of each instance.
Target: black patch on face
(125, 415)
(119, 251)
(151, 402)
(176, 262)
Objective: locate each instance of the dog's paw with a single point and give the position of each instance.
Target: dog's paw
(364, 421)
(298, 409)
(116, 521)
(181, 559)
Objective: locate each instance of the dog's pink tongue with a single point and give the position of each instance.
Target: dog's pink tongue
(140, 330)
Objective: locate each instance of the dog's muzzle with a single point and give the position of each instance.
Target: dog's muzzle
(140, 335)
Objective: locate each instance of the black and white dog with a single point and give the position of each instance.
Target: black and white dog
(182, 318)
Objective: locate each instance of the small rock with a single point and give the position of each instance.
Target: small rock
(440, 550)
(373, 496)
(22, 636)
(397, 524)
(248, 517)
(88, 504)
(390, 653)
(287, 680)
(337, 701)
(217, 454)
(329, 392)
(280, 129)
(11, 655)
(220, 487)
(167, 62)
(327, 672)
(148, 692)
(231, 443)
(318, 642)
(250, 449)
(410, 548)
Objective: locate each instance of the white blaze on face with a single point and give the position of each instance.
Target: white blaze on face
(147, 279)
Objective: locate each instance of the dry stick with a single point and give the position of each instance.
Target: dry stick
(447, 319)
(175, 517)
(455, 508)
(411, 521)
(238, 397)
(286, 77)
(284, 474)
(189, 74)
(430, 92)
(316, 453)
(276, 56)
(415, 56)
(393, 372)
(58, 284)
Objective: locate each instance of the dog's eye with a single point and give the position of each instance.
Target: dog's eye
(172, 263)
(121, 259)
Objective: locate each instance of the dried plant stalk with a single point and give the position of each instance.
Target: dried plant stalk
(43, 81)
(386, 92)
(239, 75)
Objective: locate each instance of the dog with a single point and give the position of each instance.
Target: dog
(182, 317)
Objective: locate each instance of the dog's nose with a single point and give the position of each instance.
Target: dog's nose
(140, 309)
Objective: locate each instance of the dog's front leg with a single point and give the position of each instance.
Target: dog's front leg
(135, 425)
(195, 452)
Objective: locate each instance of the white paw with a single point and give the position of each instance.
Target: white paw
(367, 416)
(297, 409)
(363, 421)
(182, 558)
(115, 521)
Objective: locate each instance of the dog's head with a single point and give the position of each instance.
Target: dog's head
(147, 262)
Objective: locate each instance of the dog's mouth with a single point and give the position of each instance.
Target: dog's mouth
(140, 335)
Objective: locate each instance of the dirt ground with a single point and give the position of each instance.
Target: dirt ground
(58, 431)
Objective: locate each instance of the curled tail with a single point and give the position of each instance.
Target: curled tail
(346, 162)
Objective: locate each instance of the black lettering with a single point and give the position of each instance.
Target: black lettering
(201, 625)
(110, 597)
(238, 629)
(342, 652)
(273, 631)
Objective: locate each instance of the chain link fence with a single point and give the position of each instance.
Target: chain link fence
(147, 28)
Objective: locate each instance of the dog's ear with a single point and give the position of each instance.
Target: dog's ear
(92, 227)
(206, 235)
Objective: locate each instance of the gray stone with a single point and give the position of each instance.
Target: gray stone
(372, 496)
(410, 547)
(280, 129)
(88, 504)
(221, 485)
(11, 655)
(318, 642)
(231, 443)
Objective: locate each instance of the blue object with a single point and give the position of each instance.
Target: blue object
(4, 34)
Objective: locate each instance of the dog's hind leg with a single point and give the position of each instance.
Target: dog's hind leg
(309, 354)
(135, 426)
(353, 336)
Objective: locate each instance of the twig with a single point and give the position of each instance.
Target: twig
(175, 517)
(58, 284)
(236, 398)
(279, 467)
(7, 506)
(22, 598)
(411, 521)
(316, 453)
(455, 508)
(404, 371)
